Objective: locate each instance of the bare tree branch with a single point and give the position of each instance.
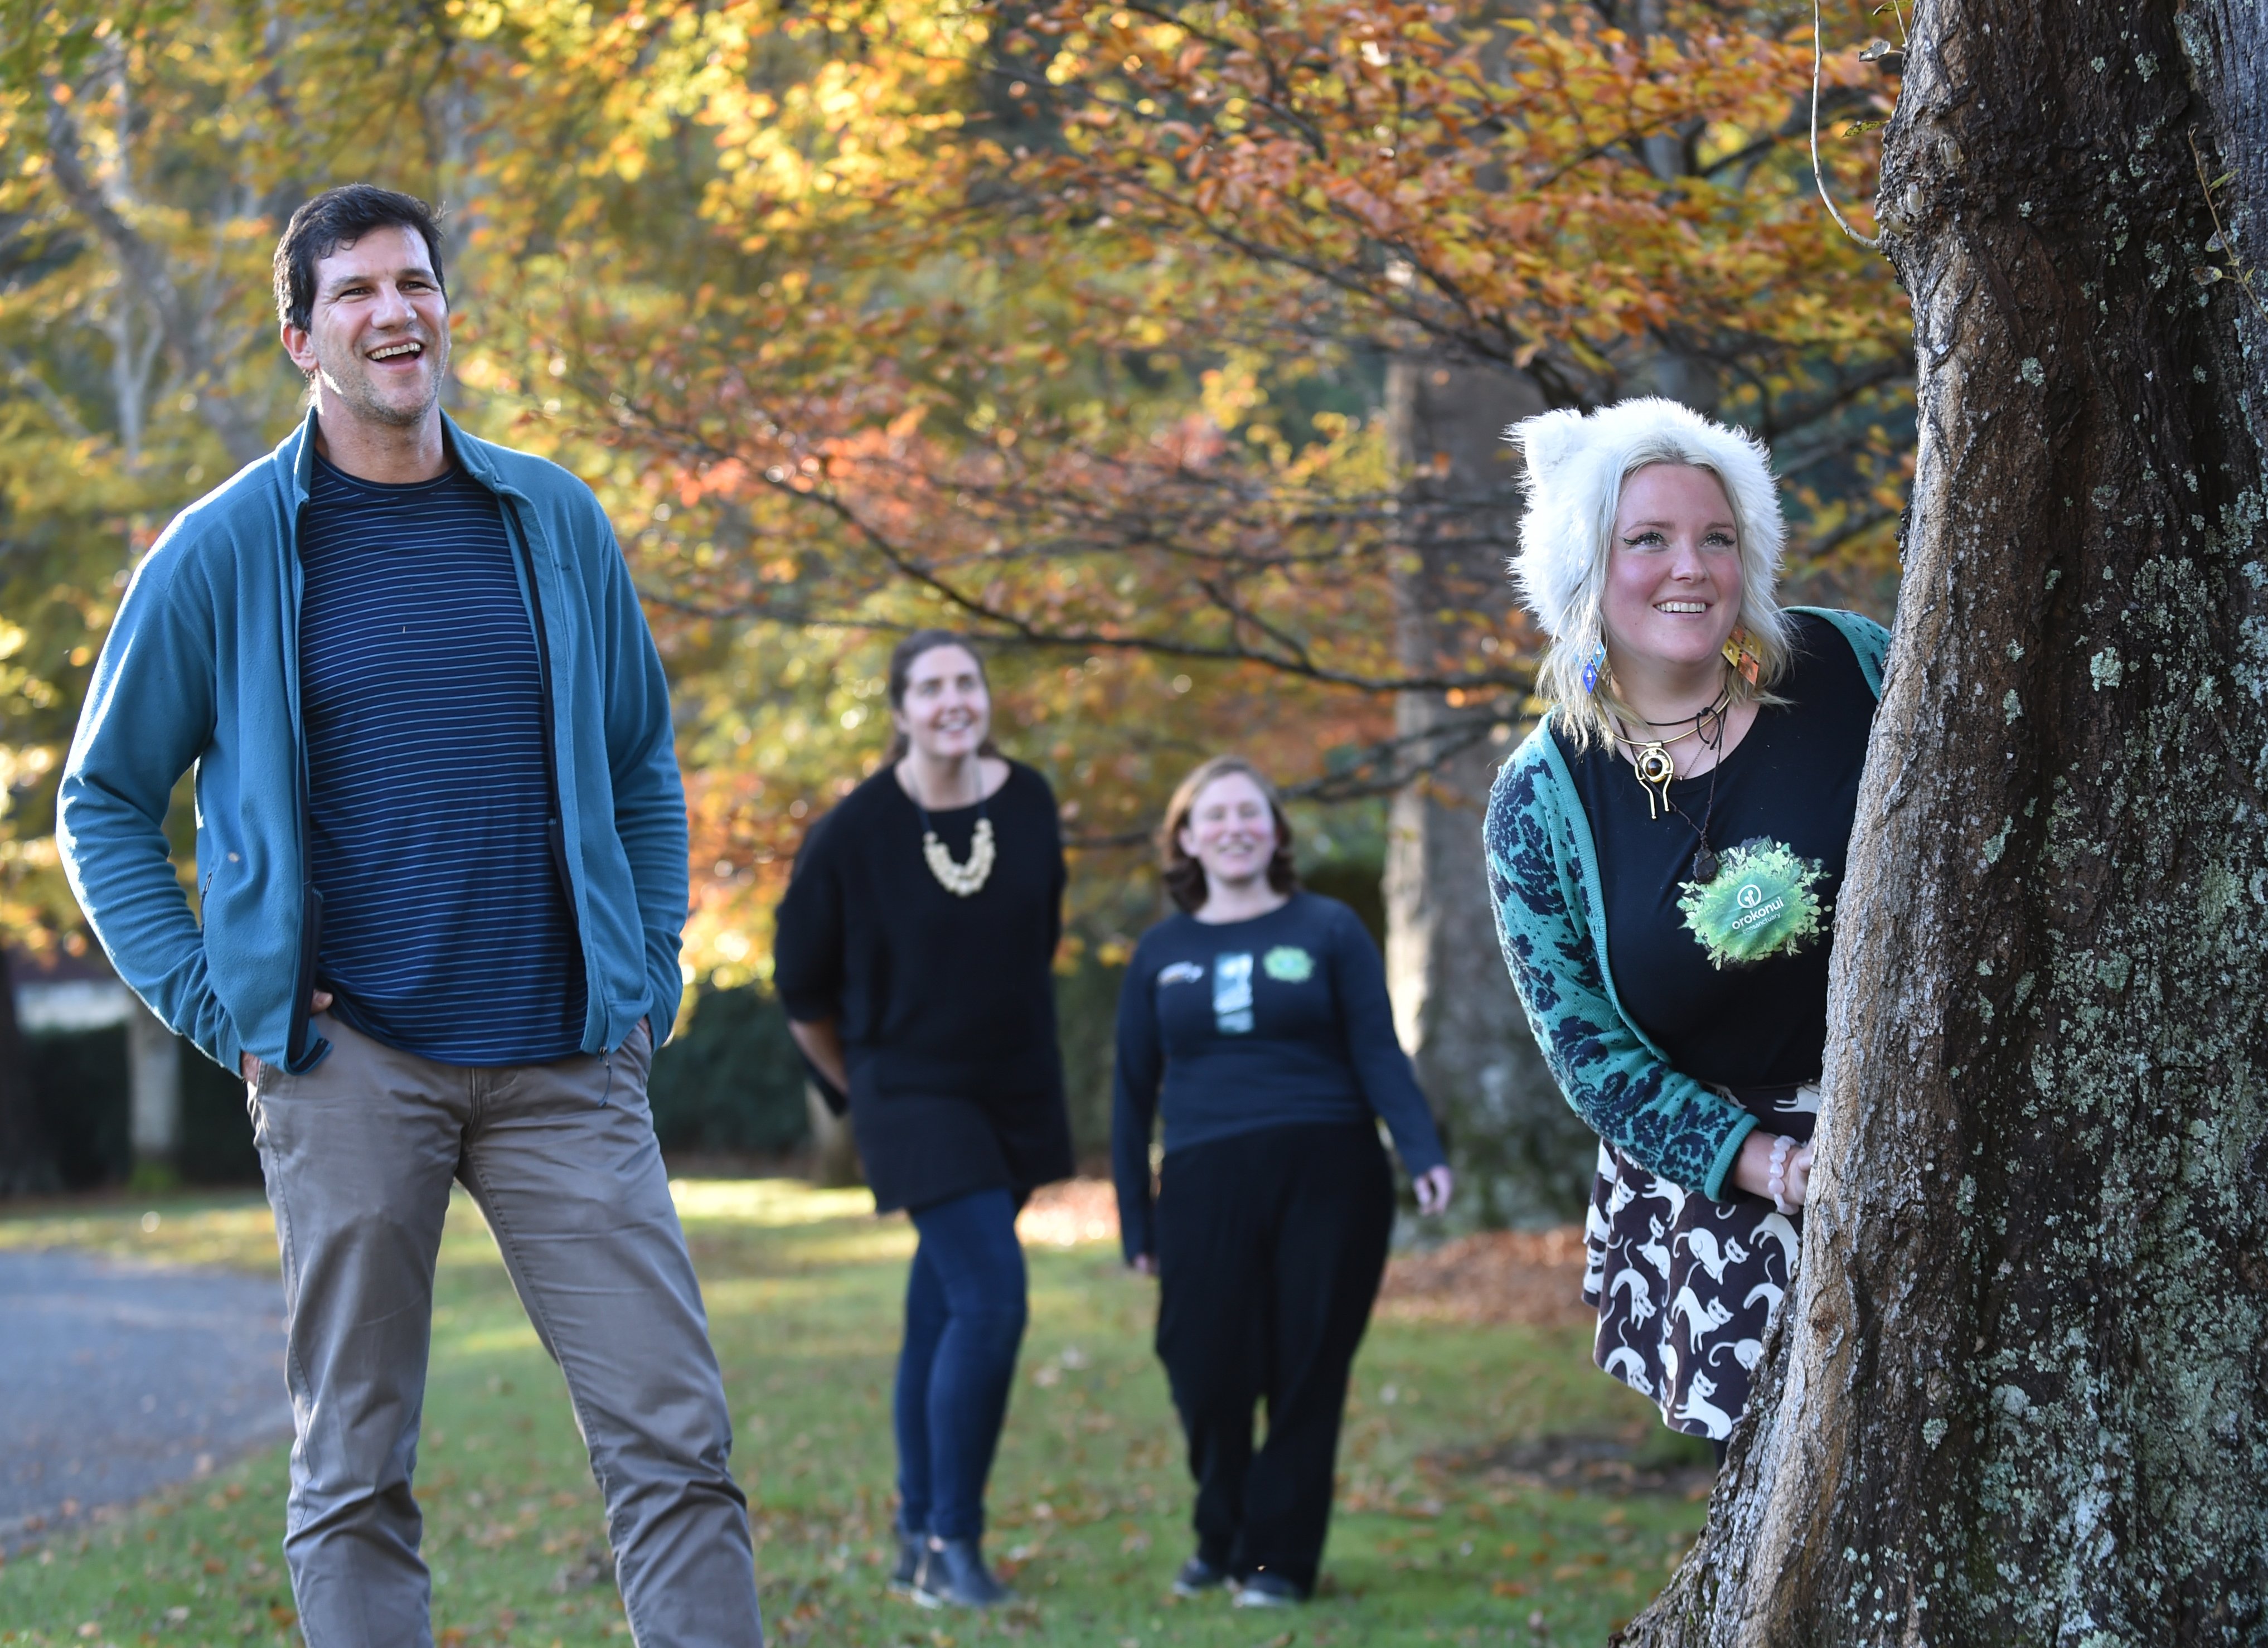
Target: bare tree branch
(1383, 768)
(188, 333)
(26, 377)
(1001, 623)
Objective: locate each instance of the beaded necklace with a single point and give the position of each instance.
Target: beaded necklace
(962, 880)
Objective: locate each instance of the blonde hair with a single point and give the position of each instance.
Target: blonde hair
(1577, 467)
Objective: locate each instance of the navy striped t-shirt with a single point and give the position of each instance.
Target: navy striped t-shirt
(446, 931)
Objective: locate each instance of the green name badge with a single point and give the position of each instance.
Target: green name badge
(1289, 963)
(1760, 904)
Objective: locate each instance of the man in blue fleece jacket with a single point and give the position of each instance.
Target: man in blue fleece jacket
(441, 867)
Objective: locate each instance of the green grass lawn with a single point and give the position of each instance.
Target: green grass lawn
(1445, 1532)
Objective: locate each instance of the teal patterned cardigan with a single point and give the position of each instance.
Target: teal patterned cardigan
(1551, 920)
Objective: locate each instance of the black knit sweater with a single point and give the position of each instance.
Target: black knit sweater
(946, 1005)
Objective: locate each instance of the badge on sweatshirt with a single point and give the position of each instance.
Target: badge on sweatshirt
(1232, 994)
(1761, 903)
(1289, 963)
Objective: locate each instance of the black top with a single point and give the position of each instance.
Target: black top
(447, 928)
(1792, 782)
(1233, 1026)
(946, 1005)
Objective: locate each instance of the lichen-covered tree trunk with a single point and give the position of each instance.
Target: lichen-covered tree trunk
(2018, 1395)
(1521, 1157)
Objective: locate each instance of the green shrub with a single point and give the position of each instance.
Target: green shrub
(78, 1081)
(217, 1145)
(732, 1083)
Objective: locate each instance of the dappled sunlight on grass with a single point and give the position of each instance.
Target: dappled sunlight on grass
(878, 1242)
(233, 1229)
(1459, 1518)
(486, 1340)
(765, 1203)
(766, 1225)
(465, 1237)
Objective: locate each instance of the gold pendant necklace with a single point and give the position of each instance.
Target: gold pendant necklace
(1656, 766)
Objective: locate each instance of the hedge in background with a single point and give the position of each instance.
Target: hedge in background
(78, 1087)
(732, 1083)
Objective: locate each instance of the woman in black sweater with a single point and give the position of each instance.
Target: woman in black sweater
(913, 955)
(1258, 1022)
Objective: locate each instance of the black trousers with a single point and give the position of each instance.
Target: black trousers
(1270, 1246)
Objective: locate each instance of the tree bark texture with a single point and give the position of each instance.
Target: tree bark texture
(1521, 1157)
(2018, 1394)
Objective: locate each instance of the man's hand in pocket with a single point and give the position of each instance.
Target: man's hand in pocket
(249, 1066)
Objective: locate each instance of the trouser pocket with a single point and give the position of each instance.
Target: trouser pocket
(628, 1068)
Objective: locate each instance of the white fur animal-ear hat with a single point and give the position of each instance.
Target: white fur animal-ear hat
(1576, 466)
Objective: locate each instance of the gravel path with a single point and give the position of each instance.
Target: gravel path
(118, 1379)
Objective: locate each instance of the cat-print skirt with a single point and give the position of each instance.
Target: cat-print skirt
(1684, 1286)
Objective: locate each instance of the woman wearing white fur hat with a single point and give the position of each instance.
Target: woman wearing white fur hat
(1663, 856)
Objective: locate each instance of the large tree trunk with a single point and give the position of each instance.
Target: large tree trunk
(2018, 1394)
(1520, 1154)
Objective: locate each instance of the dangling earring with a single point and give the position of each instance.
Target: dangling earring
(1738, 655)
(1593, 666)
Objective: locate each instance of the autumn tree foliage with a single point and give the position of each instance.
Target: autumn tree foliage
(149, 154)
(1068, 325)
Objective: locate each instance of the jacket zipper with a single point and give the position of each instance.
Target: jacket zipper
(311, 901)
(558, 828)
(556, 831)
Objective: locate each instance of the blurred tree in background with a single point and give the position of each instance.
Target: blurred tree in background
(1165, 346)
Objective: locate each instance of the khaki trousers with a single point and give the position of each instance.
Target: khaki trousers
(359, 1154)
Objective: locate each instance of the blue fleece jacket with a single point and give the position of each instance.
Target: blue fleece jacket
(203, 667)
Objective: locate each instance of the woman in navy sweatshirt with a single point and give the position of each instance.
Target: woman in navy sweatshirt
(1256, 1024)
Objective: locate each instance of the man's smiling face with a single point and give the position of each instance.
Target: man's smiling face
(378, 334)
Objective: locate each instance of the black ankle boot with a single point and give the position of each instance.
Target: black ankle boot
(1270, 1591)
(907, 1575)
(954, 1573)
(1198, 1576)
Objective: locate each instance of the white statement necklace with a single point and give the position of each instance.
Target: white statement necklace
(962, 880)
(959, 879)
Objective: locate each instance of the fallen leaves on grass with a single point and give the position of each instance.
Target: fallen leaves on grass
(595, 1566)
(1534, 1279)
(1641, 1460)
(1529, 1278)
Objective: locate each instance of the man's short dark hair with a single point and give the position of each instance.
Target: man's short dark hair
(337, 218)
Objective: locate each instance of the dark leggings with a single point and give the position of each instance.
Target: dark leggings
(965, 1311)
(1270, 1248)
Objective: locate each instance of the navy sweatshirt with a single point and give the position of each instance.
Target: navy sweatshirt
(1277, 1021)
